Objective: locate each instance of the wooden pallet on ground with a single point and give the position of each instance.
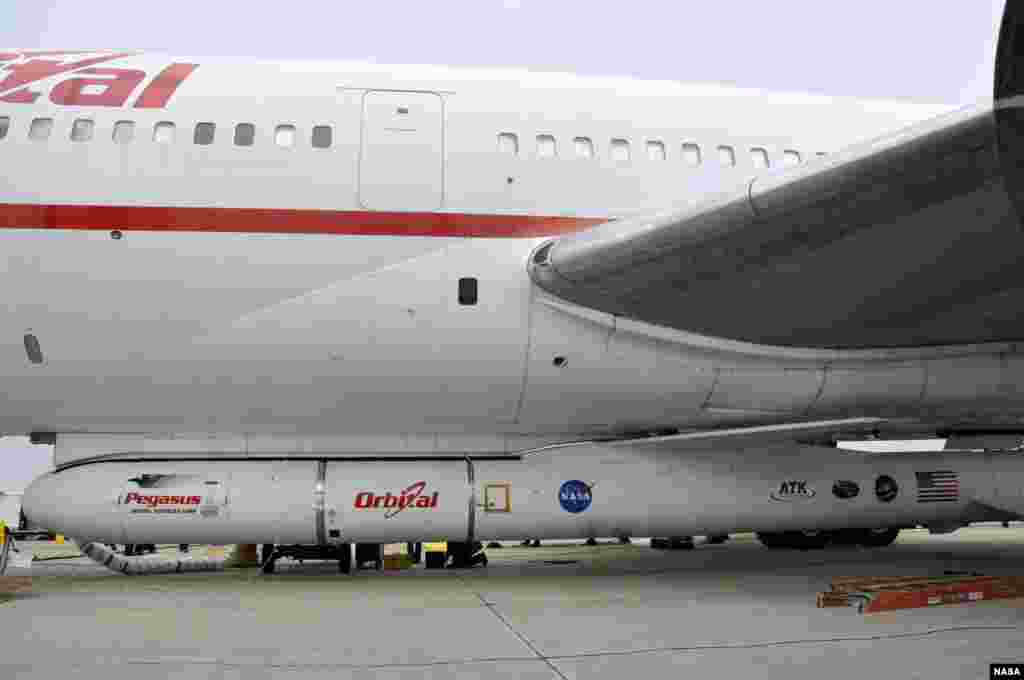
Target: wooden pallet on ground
(875, 594)
(12, 585)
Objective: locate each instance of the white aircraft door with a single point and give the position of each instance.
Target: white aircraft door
(401, 165)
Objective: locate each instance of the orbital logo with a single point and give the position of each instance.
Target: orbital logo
(409, 497)
(575, 496)
(793, 490)
(85, 78)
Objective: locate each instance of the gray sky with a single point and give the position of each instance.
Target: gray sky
(917, 49)
(904, 48)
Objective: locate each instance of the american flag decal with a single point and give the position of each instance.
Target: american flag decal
(938, 486)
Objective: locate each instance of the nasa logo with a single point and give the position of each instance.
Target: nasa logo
(409, 497)
(81, 81)
(793, 490)
(1006, 670)
(575, 496)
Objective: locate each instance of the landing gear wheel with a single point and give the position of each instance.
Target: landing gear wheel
(847, 537)
(878, 538)
(795, 540)
(370, 552)
(810, 540)
(680, 543)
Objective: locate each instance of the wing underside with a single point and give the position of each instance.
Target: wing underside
(907, 241)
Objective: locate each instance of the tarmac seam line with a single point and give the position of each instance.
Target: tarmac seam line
(490, 606)
(539, 656)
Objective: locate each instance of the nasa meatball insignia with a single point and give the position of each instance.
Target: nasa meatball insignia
(575, 496)
(792, 490)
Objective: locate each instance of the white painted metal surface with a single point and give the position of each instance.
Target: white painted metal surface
(578, 491)
(301, 335)
(402, 154)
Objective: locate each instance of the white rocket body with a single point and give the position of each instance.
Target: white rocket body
(578, 491)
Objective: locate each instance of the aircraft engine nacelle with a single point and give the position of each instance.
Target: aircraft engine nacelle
(576, 491)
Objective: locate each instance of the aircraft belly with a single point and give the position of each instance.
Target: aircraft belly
(221, 332)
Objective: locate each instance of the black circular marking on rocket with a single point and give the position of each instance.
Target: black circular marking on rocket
(886, 489)
(845, 489)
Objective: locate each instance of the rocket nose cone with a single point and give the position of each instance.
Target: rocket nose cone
(37, 503)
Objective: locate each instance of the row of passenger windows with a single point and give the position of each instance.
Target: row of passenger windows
(322, 136)
(166, 132)
(656, 150)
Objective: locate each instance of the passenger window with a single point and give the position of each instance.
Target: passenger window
(322, 137)
(204, 133)
(163, 133)
(759, 157)
(726, 156)
(508, 143)
(81, 130)
(656, 150)
(124, 132)
(40, 129)
(546, 146)
(5, 125)
(790, 158)
(245, 134)
(691, 154)
(620, 150)
(584, 147)
(284, 136)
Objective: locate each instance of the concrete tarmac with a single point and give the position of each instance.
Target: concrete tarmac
(560, 611)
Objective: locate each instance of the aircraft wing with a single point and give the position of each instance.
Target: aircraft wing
(910, 240)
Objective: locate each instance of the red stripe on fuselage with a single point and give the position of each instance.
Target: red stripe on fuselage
(279, 221)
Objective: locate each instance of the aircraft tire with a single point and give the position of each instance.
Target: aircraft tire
(878, 538)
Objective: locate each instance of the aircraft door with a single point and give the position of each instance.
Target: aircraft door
(401, 162)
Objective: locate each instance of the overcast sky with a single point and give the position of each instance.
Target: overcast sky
(915, 49)
(921, 49)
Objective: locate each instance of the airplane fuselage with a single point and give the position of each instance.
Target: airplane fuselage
(279, 249)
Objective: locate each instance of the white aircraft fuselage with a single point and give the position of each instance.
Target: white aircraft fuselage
(259, 285)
